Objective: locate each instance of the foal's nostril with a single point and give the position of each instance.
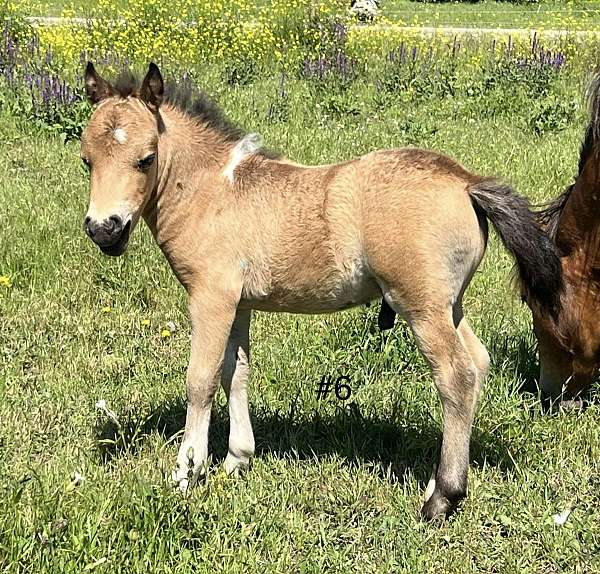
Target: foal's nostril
(106, 232)
(89, 227)
(114, 225)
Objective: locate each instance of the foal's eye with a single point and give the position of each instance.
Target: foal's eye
(146, 163)
(86, 162)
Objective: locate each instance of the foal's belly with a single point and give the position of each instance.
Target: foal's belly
(328, 293)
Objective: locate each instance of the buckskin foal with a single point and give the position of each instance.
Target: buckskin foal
(570, 346)
(244, 230)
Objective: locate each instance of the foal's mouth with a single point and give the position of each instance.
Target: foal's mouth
(120, 245)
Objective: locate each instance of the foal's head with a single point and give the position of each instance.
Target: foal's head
(120, 148)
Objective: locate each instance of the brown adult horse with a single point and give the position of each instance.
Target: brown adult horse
(570, 346)
(244, 230)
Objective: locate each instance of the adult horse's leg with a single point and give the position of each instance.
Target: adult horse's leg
(387, 316)
(212, 319)
(236, 371)
(456, 378)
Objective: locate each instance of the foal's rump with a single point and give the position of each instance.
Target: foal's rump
(425, 231)
(421, 234)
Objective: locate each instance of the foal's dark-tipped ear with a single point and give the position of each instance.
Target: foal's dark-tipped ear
(96, 87)
(153, 88)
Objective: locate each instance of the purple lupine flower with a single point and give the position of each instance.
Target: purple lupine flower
(340, 31)
(282, 92)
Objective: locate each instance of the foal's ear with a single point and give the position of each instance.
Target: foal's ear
(97, 88)
(153, 88)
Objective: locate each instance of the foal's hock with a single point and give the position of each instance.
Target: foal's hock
(246, 230)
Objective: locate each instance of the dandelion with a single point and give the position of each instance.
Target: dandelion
(165, 333)
(5, 281)
(145, 322)
(106, 309)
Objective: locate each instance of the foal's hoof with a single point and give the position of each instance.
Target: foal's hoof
(184, 479)
(183, 485)
(181, 481)
(437, 507)
(439, 504)
(234, 465)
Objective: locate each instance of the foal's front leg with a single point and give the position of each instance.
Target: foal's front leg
(212, 319)
(236, 371)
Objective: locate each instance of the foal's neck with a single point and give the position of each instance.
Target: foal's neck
(190, 155)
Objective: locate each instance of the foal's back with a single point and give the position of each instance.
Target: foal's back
(330, 237)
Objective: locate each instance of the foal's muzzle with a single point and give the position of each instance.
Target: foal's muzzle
(111, 235)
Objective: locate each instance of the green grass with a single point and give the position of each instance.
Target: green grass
(580, 15)
(334, 487)
(575, 15)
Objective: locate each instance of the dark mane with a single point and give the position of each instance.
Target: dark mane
(187, 98)
(549, 216)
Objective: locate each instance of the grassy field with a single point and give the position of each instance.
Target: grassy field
(547, 14)
(335, 487)
(577, 15)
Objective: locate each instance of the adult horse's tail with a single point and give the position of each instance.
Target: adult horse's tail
(537, 257)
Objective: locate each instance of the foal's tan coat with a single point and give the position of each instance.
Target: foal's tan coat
(245, 231)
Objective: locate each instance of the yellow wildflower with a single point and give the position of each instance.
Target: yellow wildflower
(5, 281)
(165, 333)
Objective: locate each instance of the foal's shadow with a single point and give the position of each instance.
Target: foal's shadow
(394, 450)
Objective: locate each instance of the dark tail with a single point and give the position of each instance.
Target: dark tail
(537, 257)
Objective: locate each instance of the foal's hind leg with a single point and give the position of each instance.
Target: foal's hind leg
(476, 348)
(456, 378)
(236, 371)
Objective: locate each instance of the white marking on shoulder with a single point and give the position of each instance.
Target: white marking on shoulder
(247, 146)
(120, 135)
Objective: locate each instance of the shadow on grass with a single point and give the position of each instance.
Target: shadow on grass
(395, 449)
(521, 354)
